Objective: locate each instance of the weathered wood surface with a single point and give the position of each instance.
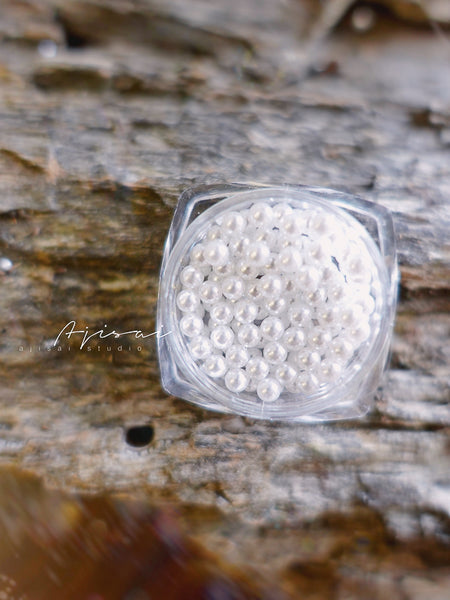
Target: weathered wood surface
(142, 99)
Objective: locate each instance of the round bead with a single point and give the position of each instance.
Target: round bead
(253, 291)
(319, 338)
(233, 223)
(238, 246)
(222, 337)
(216, 253)
(261, 215)
(236, 380)
(215, 365)
(257, 254)
(285, 373)
(245, 311)
(329, 371)
(281, 210)
(305, 383)
(272, 328)
(300, 315)
(188, 301)
(269, 389)
(351, 315)
(233, 287)
(308, 279)
(289, 260)
(213, 233)
(341, 350)
(271, 285)
(294, 339)
(248, 335)
(361, 332)
(305, 360)
(246, 270)
(210, 292)
(191, 277)
(237, 356)
(197, 256)
(276, 306)
(293, 224)
(275, 353)
(221, 313)
(191, 325)
(224, 270)
(200, 347)
(257, 368)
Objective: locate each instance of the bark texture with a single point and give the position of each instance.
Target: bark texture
(108, 110)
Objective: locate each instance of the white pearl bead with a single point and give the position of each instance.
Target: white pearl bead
(248, 335)
(276, 306)
(216, 253)
(285, 373)
(289, 260)
(257, 368)
(224, 270)
(236, 380)
(272, 328)
(281, 210)
(197, 257)
(215, 365)
(191, 325)
(306, 383)
(300, 315)
(329, 371)
(213, 233)
(341, 350)
(253, 291)
(351, 315)
(275, 353)
(238, 246)
(271, 285)
(246, 270)
(293, 224)
(200, 347)
(294, 339)
(245, 311)
(329, 318)
(361, 332)
(210, 292)
(269, 389)
(191, 277)
(308, 279)
(237, 356)
(221, 313)
(319, 338)
(233, 223)
(188, 301)
(233, 287)
(305, 360)
(222, 337)
(257, 254)
(261, 215)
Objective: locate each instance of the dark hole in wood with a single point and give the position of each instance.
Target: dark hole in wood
(139, 436)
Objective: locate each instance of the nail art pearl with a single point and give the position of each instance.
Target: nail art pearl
(272, 328)
(268, 389)
(245, 311)
(275, 306)
(236, 380)
(285, 373)
(210, 292)
(216, 253)
(222, 337)
(271, 285)
(221, 313)
(191, 277)
(248, 335)
(294, 339)
(289, 260)
(200, 347)
(188, 301)
(237, 356)
(257, 368)
(233, 223)
(215, 365)
(261, 215)
(257, 254)
(191, 325)
(233, 287)
(275, 353)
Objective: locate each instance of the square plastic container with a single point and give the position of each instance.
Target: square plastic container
(277, 302)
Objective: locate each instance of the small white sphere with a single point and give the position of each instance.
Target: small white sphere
(281, 210)
(269, 389)
(237, 356)
(245, 270)
(222, 337)
(197, 257)
(221, 313)
(329, 317)
(294, 339)
(360, 332)
(285, 373)
(290, 283)
(276, 306)
(320, 251)
(341, 350)
(300, 315)
(215, 365)
(233, 223)
(224, 270)
(188, 301)
(216, 253)
(249, 335)
(213, 233)
(308, 279)
(289, 260)
(293, 224)
(245, 311)
(272, 328)
(253, 291)
(261, 215)
(329, 371)
(275, 353)
(200, 347)
(210, 292)
(271, 285)
(306, 383)
(257, 368)
(191, 277)
(191, 325)
(233, 287)
(351, 316)
(238, 246)
(305, 360)
(319, 338)
(236, 380)
(257, 254)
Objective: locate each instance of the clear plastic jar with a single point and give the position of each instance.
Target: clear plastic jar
(277, 302)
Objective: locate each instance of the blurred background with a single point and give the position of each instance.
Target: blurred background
(108, 110)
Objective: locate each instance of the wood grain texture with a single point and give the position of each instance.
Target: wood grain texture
(142, 99)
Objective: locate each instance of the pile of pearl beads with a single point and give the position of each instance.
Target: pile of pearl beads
(276, 299)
